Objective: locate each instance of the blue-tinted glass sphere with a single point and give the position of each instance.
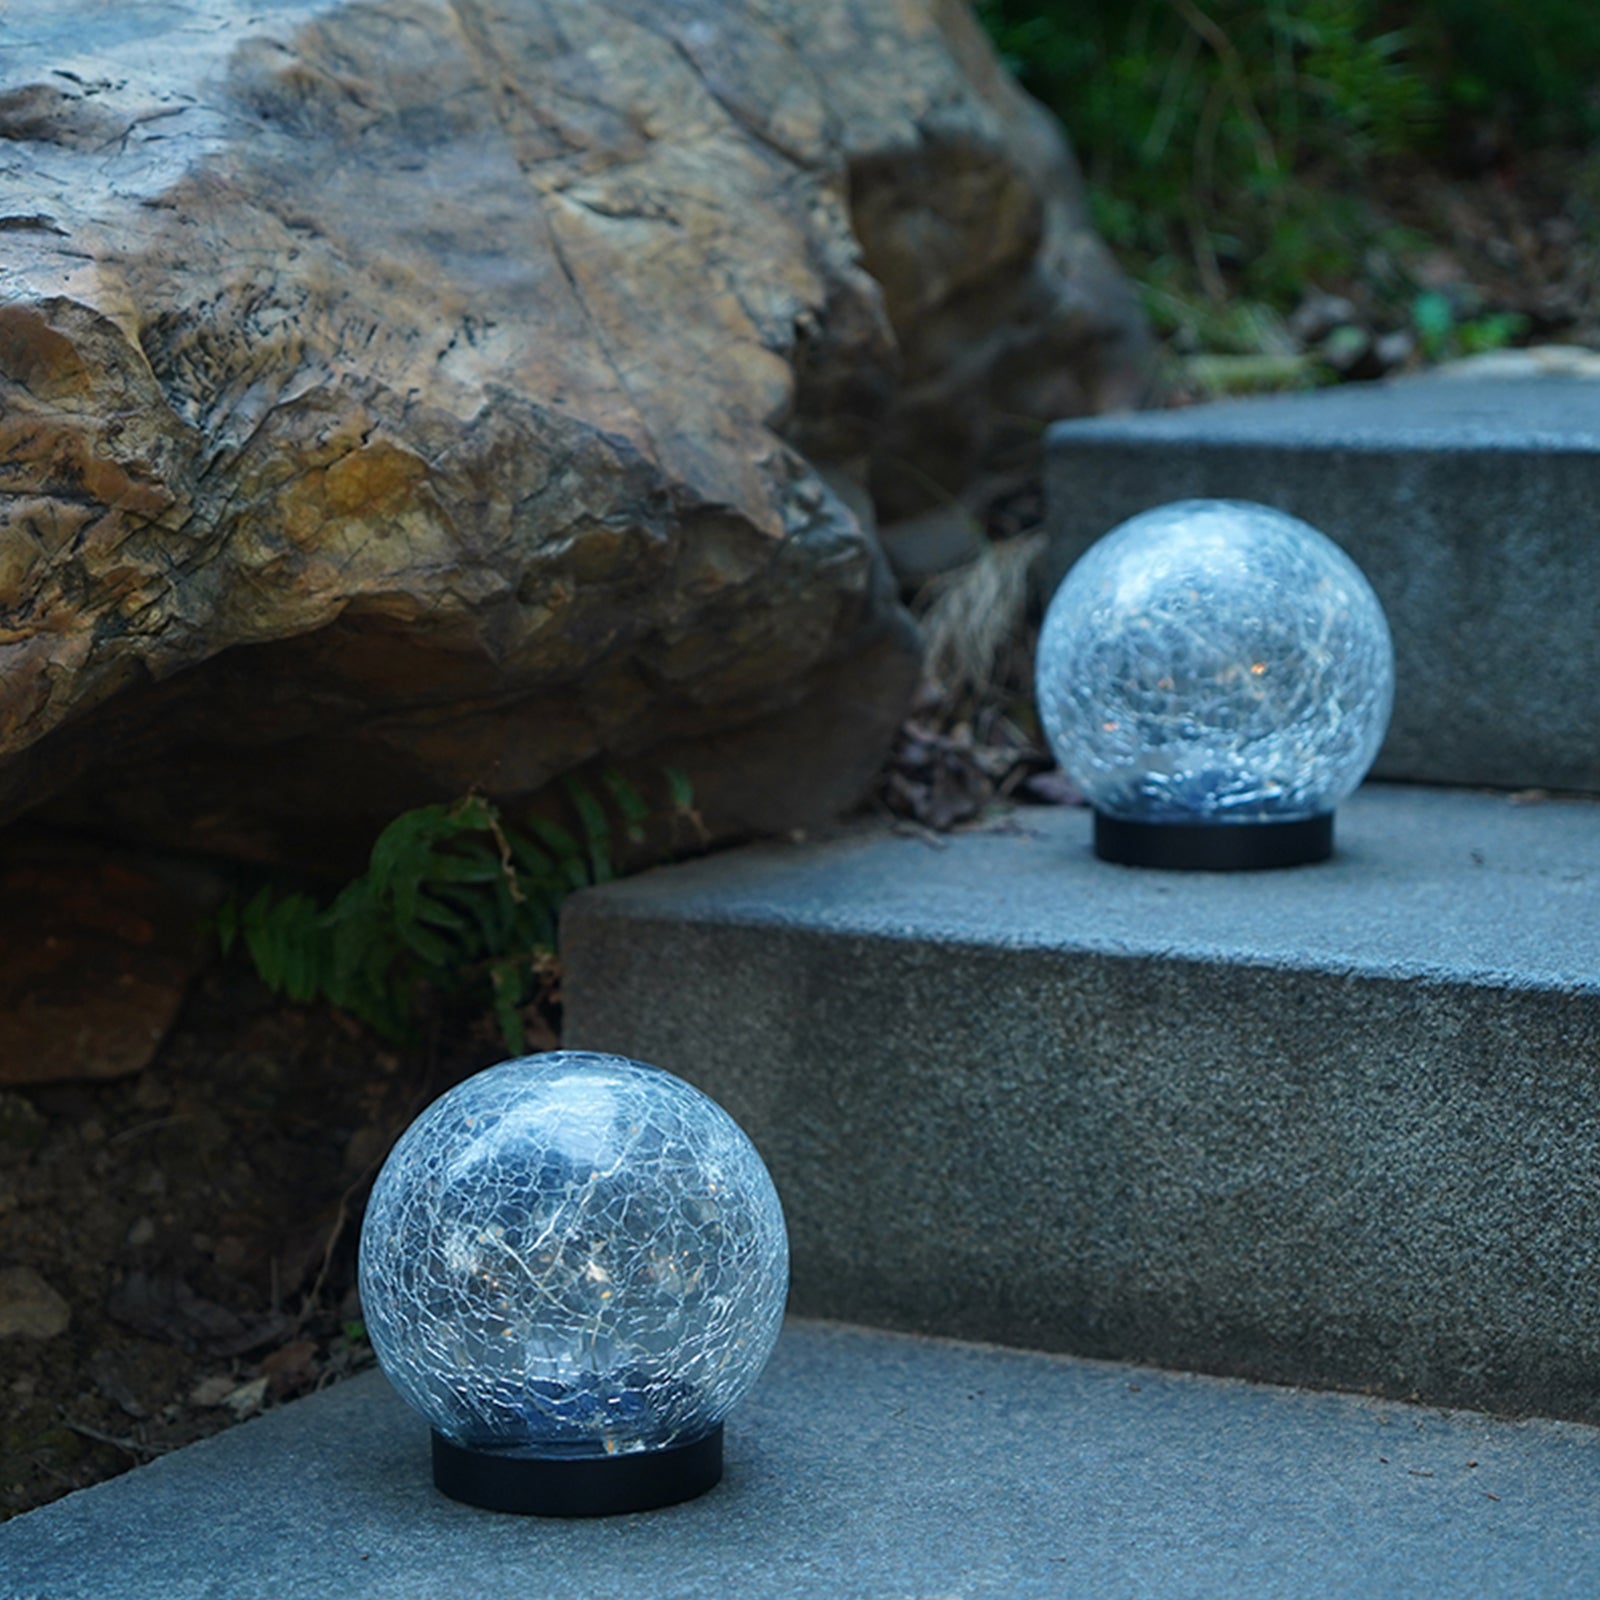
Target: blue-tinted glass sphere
(1215, 661)
(573, 1255)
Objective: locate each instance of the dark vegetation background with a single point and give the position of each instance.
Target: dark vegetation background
(1432, 162)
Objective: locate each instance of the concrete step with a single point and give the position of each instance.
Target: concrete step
(874, 1467)
(1335, 1126)
(1473, 505)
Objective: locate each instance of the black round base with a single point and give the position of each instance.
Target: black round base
(1213, 846)
(578, 1486)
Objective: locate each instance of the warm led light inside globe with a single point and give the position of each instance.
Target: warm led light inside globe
(574, 1265)
(1215, 676)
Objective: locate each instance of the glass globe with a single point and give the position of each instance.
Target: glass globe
(570, 1263)
(1215, 662)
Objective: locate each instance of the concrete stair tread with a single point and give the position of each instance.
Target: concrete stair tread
(875, 1465)
(1474, 888)
(1452, 413)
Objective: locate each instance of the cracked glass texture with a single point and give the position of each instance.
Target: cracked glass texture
(573, 1254)
(1215, 661)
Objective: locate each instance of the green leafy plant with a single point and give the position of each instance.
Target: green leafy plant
(456, 899)
(1233, 147)
(1443, 332)
(1196, 121)
(1532, 63)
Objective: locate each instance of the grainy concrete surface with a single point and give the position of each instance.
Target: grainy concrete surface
(874, 1467)
(1336, 1125)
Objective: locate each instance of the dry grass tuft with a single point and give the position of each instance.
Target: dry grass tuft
(975, 618)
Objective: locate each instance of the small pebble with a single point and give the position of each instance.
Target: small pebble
(365, 1148)
(29, 1307)
(247, 1399)
(211, 1391)
(231, 1252)
(1318, 315)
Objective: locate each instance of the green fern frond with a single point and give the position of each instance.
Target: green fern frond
(455, 900)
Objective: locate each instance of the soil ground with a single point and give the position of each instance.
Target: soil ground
(198, 1220)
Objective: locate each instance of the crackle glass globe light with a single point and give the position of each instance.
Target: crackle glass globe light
(573, 1265)
(1215, 676)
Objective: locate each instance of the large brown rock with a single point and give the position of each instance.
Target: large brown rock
(401, 396)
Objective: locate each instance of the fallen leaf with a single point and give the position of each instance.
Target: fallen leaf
(247, 1399)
